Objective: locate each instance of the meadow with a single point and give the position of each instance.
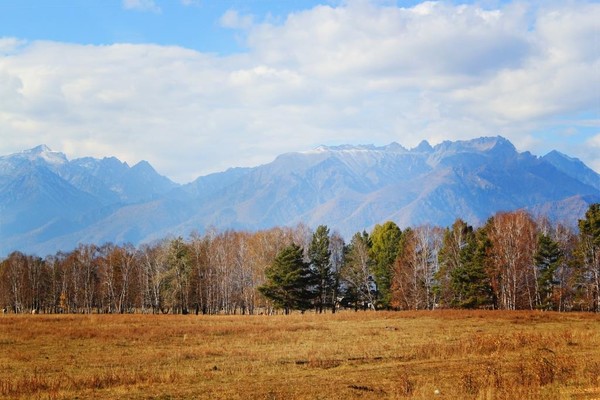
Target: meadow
(367, 355)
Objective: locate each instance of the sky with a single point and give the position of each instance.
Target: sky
(199, 86)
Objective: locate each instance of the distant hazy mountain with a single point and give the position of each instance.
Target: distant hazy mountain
(48, 203)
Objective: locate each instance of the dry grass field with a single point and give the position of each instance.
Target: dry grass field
(366, 355)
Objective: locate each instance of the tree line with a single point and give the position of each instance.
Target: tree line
(511, 262)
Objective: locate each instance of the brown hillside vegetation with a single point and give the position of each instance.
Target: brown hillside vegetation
(368, 355)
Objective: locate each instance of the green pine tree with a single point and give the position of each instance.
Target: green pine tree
(451, 256)
(320, 262)
(180, 269)
(589, 253)
(385, 241)
(470, 281)
(547, 259)
(289, 280)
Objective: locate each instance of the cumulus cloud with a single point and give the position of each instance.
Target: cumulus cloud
(233, 20)
(389, 42)
(360, 72)
(188, 3)
(10, 45)
(593, 147)
(141, 5)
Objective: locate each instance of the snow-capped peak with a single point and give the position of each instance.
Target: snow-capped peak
(392, 147)
(42, 148)
(43, 152)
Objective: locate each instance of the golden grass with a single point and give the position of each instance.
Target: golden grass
(367, 355)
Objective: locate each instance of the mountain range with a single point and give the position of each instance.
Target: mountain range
(49, 203)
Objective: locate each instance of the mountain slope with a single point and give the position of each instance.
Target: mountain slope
(45, 197)
(351, 188)
(49, 203)
(573, 168)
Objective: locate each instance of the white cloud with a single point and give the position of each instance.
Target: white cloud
(358, 73)
(593, 147)
(233, 20)
(188, 3)
(141, 5)
(560, 74)
(376, 41)
(10, 45)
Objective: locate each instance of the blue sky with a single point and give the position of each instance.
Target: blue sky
(193, 24)
(111, 21)
(197, 86)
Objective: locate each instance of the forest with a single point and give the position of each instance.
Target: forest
(512, 262)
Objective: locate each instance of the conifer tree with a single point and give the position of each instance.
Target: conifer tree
(320, 262)
(589, 251)
(385, 241)
(289, 280)
(547, 259)
(458, 239)
(469, 280)
(179, 266)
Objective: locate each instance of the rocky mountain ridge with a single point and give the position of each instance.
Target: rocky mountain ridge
(48, 203)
